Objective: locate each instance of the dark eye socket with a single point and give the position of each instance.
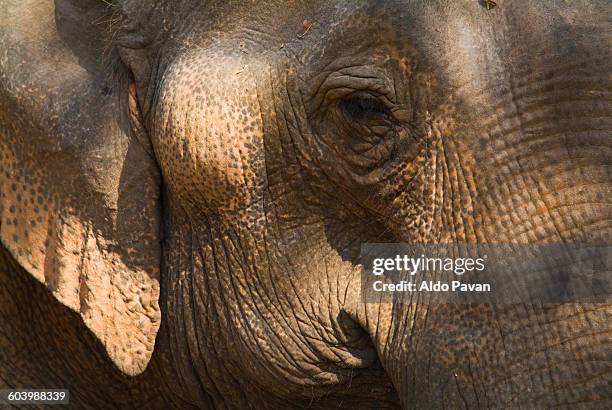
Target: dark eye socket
(364, 108)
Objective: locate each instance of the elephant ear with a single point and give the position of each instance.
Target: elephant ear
(79, 206)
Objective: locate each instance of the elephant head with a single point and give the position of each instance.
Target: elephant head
(237, 154)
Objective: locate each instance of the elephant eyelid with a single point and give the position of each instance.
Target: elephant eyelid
(336, 85)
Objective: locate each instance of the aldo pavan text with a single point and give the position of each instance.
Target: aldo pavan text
(411, 266)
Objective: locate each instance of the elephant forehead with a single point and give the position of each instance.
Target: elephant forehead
(208, 130)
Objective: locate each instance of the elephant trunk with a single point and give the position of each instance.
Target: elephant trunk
(531, 355)
(519, 182)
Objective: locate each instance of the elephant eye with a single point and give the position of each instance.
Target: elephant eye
(364, 108)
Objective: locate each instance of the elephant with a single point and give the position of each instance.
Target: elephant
(185, 188)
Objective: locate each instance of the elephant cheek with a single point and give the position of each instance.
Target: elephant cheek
(208, 135)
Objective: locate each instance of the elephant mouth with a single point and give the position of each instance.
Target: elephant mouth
(361, 377)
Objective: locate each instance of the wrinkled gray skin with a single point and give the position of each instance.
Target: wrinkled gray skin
(236, 154)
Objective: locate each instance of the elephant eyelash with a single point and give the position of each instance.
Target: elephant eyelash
(364, 108)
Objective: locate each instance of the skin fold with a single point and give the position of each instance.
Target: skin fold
(185, 187)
